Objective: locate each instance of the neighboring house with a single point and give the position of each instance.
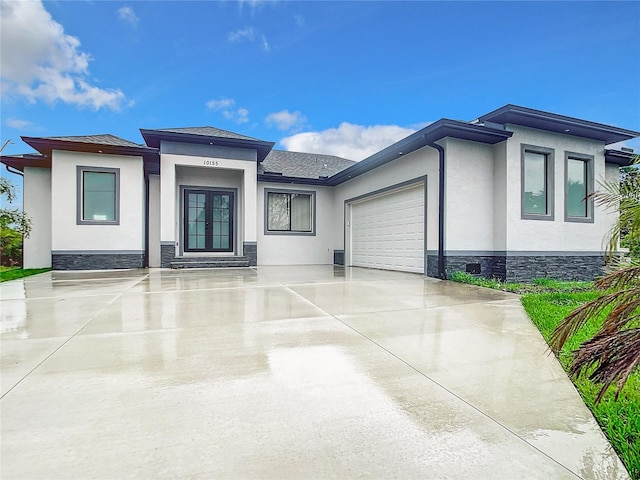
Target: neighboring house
(503, 196)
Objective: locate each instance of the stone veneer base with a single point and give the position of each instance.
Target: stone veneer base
(96, 261)
(524, 268)
(167, 254)
(250, 250)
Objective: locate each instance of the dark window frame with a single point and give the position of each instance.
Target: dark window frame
(80, 171)
(549, 154)
(589, 169)
(310, 193)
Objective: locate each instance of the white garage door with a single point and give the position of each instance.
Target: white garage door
(387, 231)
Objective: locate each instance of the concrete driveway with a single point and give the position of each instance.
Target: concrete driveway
(283, 372)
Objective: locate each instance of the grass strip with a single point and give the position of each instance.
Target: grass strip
(13, 273)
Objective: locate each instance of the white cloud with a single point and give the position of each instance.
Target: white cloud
(18, 124)
(241, 115)
(247, 33)
(265, 44)
(40, 62)
(221, 104)
(228, 108)
(254, 5)
(127, 15)
(286, 120)
(354, 142)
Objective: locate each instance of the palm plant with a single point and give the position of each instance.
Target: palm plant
(613, 353)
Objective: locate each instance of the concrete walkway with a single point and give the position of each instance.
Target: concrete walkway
(283, 373)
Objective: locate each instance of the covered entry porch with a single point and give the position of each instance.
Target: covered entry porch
(202, 205)
(207, 215)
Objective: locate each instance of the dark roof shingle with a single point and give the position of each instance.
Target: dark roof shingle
(206, 132)
(104, 139)
(303, 165)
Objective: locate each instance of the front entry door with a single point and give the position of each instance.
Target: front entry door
(208, 221)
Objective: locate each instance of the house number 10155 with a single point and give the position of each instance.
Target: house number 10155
(211, 163)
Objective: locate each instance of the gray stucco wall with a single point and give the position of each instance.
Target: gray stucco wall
(210, 151)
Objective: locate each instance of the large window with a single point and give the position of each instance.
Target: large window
(289, 212)
(578, 185)
(98, 196)
(537, 183)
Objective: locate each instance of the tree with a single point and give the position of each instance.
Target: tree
(613, 353)
(630, 196)
(15, 225)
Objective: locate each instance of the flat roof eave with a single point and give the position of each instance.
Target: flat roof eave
(154, 137)
(434, 132)
(552, 122)
(620, 157)
(19, 162)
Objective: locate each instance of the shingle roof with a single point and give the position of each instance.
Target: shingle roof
(104, 139)
(303, 165)
(206, 132)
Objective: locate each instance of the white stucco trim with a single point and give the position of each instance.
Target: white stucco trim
(185, 171)
(37, 205)
(154, 220)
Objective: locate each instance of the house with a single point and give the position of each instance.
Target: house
(503, 195)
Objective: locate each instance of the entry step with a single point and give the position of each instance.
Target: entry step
(210, 262)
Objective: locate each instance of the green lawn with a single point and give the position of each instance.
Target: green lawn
(547, 302)
(11, 273)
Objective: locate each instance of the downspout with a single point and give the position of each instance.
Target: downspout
(441, 163)
(146, 221)
(10, 169)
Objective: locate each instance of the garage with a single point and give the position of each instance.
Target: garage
(387, 230)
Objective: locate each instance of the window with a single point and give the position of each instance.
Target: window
(289, 212)
(537, 183)
(578, 171)
(98, 201)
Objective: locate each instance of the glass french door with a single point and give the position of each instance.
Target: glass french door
(208, 221)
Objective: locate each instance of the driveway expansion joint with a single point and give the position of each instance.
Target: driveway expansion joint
(431, 379)
(77, 332)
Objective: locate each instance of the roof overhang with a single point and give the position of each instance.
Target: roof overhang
(552, 122)
(46, 145)
(153, 138)
(619, 157)
(275, 178)
(19, 162)
(432, 133)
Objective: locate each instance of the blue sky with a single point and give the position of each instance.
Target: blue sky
(343, 78)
